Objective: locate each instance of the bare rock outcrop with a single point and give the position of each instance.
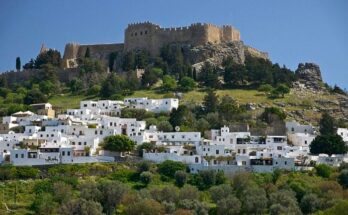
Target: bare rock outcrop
(216, 53)
(309, 75)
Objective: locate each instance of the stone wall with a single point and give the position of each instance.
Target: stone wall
(255, 53)
(152, 37)
(99, 51)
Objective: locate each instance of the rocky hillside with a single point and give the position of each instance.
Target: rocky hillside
(216, 53)
(312, 93)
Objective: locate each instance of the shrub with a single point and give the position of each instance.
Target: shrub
(323, 170)
(168, 168)
(180, 178)
(146, 177)
(343, 178)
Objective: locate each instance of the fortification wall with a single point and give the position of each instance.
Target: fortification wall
(255, 53)
(152, 37)
(98, 51)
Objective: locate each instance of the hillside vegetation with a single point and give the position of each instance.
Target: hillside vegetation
(167, 188)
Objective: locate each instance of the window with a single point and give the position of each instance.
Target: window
(68, 153)
(285, 162)
(16, 156)
(22, 155)
(145, 32)
(63, 153)
(217, 152)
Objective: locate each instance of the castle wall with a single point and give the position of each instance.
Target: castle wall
(101, 52)
(152, 37)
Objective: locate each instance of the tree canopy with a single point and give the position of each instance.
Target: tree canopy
(118, 143)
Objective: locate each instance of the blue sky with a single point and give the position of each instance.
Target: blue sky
(290, 31)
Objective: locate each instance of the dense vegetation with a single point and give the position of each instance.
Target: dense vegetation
(328, 142)
(168, 188)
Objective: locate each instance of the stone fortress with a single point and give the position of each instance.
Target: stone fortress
(151, 37)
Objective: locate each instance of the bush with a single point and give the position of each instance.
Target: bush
(94, 90)
(146, 177)
(180, 178)
(323, 170)
(187, 84)
(343, 178)
(168, 168)
(118, 143)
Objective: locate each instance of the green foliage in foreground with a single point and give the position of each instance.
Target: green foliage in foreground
(147, 188)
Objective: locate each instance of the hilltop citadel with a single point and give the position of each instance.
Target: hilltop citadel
(151, 37)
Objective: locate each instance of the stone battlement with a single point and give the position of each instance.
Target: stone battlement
(151, 37)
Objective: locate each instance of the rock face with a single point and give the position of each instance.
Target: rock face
(216, 53)
(309, 75)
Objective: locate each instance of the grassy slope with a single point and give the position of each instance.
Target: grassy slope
(290, 102)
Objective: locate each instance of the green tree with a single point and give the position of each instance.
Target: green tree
(118, 143)
(62, 192)
(310, 203)
(87, 53)
(180, 178)
(145, 146)
(30, 64)
(164, 126)
(228, 108)
(187, 84)
(272, 114)
(94, 90)
(169, 83)
(150, 77)
(281, 89)
(113, 192)
(343, 178)
(327, 124)
(89, 191)
(235, 75)
(254, 200)
(265, 88)
(284, 200)
(229, 205)
(323, 170)
(18, 64)
(81, 207)
(51, 56)
(168, 168)
(75, 85)
(112, 58)
(220, 192)
(34, 96)
(328, 144)
(146, 177)
(44, 204)
(210, 102)
(145, 207)
(128, 61)
(181, 117)
(209, 76)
